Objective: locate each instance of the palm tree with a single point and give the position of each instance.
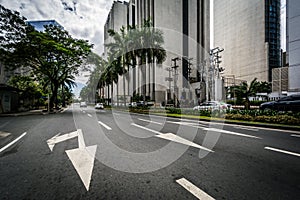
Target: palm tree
(119, 50)
(148, 43)
(244, 91)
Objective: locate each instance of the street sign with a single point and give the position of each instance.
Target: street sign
(168, 79)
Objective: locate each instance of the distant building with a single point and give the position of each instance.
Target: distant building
(293, 44)
(249, 31)
(39, 25)
(117, 17)
(186, 32)
(280, 82)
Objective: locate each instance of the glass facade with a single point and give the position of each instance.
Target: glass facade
(272, 13)
(40, 25)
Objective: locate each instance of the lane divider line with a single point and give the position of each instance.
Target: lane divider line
(147, 129)
(13, 142)
(197, 192)
(248, 129)
(104, 125)
(231, 133)
(89, 115)
(283, 151)
(195, 125)
(295, 135)
(150, 121)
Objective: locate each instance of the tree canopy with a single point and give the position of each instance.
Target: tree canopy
(52, 56)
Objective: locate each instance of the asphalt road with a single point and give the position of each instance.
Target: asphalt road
(116, 155)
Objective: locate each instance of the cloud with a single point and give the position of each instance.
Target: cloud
(82, 19)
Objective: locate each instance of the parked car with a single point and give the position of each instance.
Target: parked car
(209, 105)
(288, 103)
(99, 106)
(83, 104)
(213, 105)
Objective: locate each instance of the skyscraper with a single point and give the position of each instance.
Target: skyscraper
(186, 32)
(293, 44)
(249, 31)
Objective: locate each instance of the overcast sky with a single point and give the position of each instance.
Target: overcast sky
(83, 19)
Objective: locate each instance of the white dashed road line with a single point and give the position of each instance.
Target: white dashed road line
(147, 129)
(89, 115)
(195, 125)
(150, 121)
(104, 125)
(282, 151)
(230, 133)
(13, 142)
(193, 189)
(248, 129)
(295, 135)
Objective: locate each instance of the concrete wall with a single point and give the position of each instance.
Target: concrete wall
(167, 16)
(239, 28)
(293, 42)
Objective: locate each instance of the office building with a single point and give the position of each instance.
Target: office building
(249, 31)
(186, 31)
(39, 25)
(293, 44)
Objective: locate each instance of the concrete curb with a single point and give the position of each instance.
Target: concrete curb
(273, 126)
(29, 113)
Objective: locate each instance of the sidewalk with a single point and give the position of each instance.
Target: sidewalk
(31, 112)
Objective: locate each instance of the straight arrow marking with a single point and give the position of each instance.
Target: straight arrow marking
(83, 162)
(81, 143)
(82, 158)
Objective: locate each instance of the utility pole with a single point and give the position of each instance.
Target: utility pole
(175, 81)
(215, 61)
(169, 79)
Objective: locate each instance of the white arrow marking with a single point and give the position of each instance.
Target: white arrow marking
(175, 138)
(56, 139)
(295, 135)
(83, 162)
(81, 158)
(81, 143)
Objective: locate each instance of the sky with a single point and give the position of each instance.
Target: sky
(83, 19)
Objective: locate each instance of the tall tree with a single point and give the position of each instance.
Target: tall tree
(139, 46)
(53, 56)
(119, 51)
(154, 52)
